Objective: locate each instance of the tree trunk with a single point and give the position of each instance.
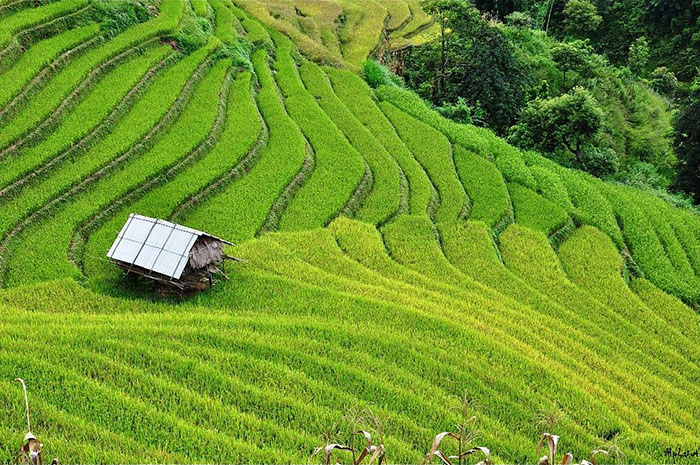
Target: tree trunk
(443, 58)
(549, 15)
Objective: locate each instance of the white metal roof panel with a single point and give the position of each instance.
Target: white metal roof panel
(155, 244)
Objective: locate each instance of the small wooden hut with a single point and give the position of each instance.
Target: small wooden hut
(168, 253)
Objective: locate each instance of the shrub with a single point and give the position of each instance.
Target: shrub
(462, 113)
(239, 52)
(194, 34)
(378, 75)
(600, 162)
(119, 16)
(519, 19)
(664, 82)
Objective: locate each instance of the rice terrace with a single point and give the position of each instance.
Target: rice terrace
(465, 231)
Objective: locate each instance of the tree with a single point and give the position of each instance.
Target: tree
(571, 56)
(638, 56)
(581, 18)
(570, 122)
(474, 60)
(519, 19)
(686, 143)
(664, 82)
(446, 13)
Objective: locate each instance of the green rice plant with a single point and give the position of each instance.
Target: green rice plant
(661, 221)
(383, 200)
(226, 354)
(484, 186)
(51, 97)
(38, 57)
(399, 14)
(409, 252)
(255, 32)
(646, 247)
(367, 34)
(200, 7)
(338, 167)
(223, 17)
(535, 212)
(311, 48)
(666, 306)
(529, 255)
(685, 225)
(590, 204)
(434, 152)
(419, 19)
(551, 187)
(469, 248)
(143, 116)
(510, 160)
(311, 247)
(357, 97)
(286, 73)
(33, 16)
(239, 210)
(187, 132)
(158, 199)
(592, 262)
(430, 33)
(91, 111)
(28, 37)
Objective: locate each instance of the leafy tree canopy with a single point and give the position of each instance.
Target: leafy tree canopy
(686, 142)
(570, 121)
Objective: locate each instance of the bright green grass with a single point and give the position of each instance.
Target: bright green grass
(434, 153)
(39, 56)
(239, 210)
(485, 187)
(534, 211)
(338, 167)
(223, 17)
(96, 106)
(383, 200)
(399, 13)
(142, 117)
(32, 16)
(358, 98)
(51, 96)
(199, 7)
(319, 323)
(27, 263)
(239, 133)
(367, 34)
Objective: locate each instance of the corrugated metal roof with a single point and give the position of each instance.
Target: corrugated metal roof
(156, 245)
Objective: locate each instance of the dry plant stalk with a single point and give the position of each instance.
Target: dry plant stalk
(328, 450)
(552, 441)
(435, 452)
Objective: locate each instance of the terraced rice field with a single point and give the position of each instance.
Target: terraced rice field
(394, 260)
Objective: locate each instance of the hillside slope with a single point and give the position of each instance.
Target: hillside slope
(395, 260)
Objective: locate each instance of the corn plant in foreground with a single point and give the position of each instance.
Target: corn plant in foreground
(466, 434)
(552, 441)
(373, 451)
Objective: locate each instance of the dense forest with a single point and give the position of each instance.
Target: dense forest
(610, 87)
